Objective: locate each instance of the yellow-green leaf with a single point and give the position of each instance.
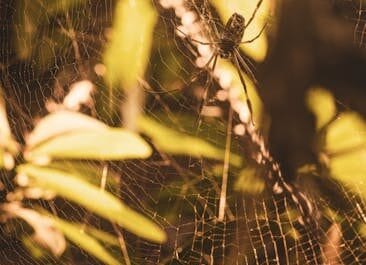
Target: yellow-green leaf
(321, 102)
(32, 15)
(127, 53)
(8, 146)
(84, 241)
(93, 198)
(248, 182)
(346, 146)
(177, 143)
(100, 235)
(109, 144)
(61, 122)
(347, 132)
(91, 172)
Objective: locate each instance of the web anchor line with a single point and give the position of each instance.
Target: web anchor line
(278, 184)
(307, 222)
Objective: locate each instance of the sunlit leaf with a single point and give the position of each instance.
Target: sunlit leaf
(363, 230)
(347, 132)
(84, 241)
(257, 49)
(321, 103)
(93, 198)
(91, 172)
(350, 169)
(127, 53)
(346, 146)
(248, 182)
(101, 235)
(61, 122)
(177, 143)
(8, 146)
(111, 144)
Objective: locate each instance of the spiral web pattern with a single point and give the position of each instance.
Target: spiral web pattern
(280, 224)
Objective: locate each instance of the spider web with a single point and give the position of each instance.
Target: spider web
(182, 194)
(356, 13)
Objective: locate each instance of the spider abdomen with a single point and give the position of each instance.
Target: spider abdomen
(226, 48)
(232, 35)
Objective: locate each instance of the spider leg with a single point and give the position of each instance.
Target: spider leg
(196, 41)
(245, 66)
(249, 104)
(208, 80)
(257, 36)
(254, 12)
(205, 66)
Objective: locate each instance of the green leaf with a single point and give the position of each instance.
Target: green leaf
(110, 144)
(347, 132)
(248, 182)
(89, 171)
(362, 230)
(350, 169)
(177, 143)
(321, 102)
(84, 241)
(100, 235)
(127, 53)
(8, 146)
(346, 147)
(93, 198)
(61, 122)
(31, 16)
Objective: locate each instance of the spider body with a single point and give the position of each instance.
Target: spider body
(231, 36)
(226, 45)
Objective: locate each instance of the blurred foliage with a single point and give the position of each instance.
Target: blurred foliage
(321, 102)
(345, 140)
(85, 241)
(32, 19)
(248, 182)
(67, 152)
(176, 143)
(127, 53)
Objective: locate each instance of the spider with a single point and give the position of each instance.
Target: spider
(227, 47)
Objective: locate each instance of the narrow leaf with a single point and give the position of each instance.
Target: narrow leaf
(84, 241)
(93, 198)
(111, 144)
(127, 53)
(61, 122)
(177, 143)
